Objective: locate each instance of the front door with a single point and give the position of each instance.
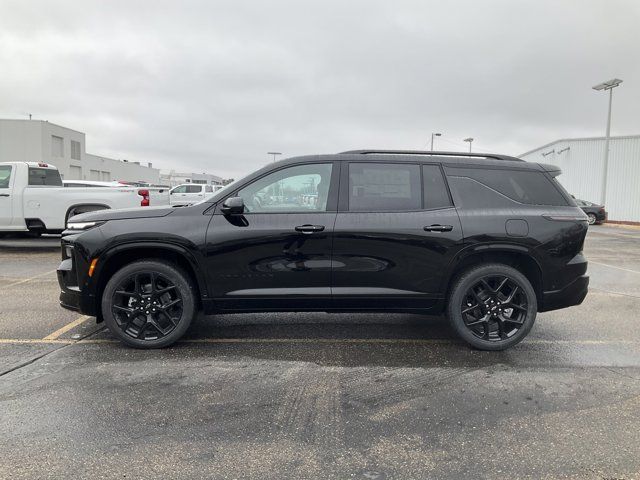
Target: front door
(395, 235)
(277, 255)
(6, 197)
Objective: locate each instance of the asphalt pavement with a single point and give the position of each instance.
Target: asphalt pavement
(273, 396)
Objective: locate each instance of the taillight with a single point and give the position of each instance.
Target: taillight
(145, 198)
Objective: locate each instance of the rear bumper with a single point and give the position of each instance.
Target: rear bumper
(71, 297)
(572, 294)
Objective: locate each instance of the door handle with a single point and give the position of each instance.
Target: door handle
(438, 228)
(4, 195)
(309, 228)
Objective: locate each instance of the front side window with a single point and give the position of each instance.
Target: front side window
(5, 176)
(381, 187)
(302, 188)
(180, 189)
(193, 188)
(44, 176)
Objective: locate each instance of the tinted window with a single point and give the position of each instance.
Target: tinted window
(529, 187)
(301, 188)
(5, 176)
(384, 187)
(44, 176)
(194, 188)
(435, 190)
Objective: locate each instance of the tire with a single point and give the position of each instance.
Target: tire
(486, 325)
(592, 218)
(130, 314)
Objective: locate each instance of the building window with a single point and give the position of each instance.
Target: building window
(57, 146)
(75, 150)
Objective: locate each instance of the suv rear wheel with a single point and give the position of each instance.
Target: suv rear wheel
(148, 304)
(492, 307)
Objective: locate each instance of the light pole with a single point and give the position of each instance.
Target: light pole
(608, 85)
(470, 140)
(274, 154)
(434, 135)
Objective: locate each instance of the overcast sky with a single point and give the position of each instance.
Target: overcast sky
(212, 86)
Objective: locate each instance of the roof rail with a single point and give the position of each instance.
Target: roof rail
(493, 156)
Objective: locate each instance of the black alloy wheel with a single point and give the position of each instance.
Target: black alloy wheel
(148, 304)
(492, 307)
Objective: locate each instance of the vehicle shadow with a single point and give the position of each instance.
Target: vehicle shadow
(345, 340)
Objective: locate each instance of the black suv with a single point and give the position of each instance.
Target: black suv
(491, 240)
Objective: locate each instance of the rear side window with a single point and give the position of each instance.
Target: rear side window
(380, 187)
(44, 176)
(530, 187)
(5, 176)
(435, 189)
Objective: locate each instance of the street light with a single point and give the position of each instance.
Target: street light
(608, 85)
(470, 140)
(274, 154)
(434, 135)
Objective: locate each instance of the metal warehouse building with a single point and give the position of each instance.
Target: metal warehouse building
(581, 161)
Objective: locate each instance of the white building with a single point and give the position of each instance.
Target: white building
(41, 141)
(173, 178)
(581, 161)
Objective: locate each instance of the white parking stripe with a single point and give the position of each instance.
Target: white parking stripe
(613, 266)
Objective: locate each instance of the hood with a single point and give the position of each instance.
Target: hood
(123, 214)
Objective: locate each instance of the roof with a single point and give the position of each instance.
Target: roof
(576, 139)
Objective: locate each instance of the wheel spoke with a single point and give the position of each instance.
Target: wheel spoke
(502, 284)
(126, 310)
(171, 319)
(470, 309)
(124, 292)
(170, 304)
(476, 322)
(160, 291)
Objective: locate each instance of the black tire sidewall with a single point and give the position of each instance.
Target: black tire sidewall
(180, 280)
(465, 281)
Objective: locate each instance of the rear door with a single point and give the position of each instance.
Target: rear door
(396, 233)
(6, 196)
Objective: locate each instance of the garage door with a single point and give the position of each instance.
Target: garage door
(75, 173)
(94, 175)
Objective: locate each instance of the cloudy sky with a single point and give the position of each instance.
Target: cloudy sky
(213, 85)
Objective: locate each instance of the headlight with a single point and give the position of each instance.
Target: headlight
(71, 225)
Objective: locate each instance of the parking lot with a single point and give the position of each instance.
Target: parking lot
(318, 395)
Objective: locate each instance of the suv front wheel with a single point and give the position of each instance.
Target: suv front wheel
(148, 304)
(492, 307)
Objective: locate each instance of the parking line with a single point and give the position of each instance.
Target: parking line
(19, 282)
(613, 266)
(399, 341)
(66, 328)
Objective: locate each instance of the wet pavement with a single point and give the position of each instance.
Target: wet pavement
(322, 396)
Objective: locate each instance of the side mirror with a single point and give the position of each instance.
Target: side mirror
(233, 206)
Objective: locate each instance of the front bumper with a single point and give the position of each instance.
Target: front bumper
(572, 294)
(71, 297)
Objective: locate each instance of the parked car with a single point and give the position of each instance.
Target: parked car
(189, 193)
(33, 198)
(491, 240)
(596, 213)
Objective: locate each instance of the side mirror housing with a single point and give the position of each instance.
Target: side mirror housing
(233, 206)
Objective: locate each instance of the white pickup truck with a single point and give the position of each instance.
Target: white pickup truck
(33, 199)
